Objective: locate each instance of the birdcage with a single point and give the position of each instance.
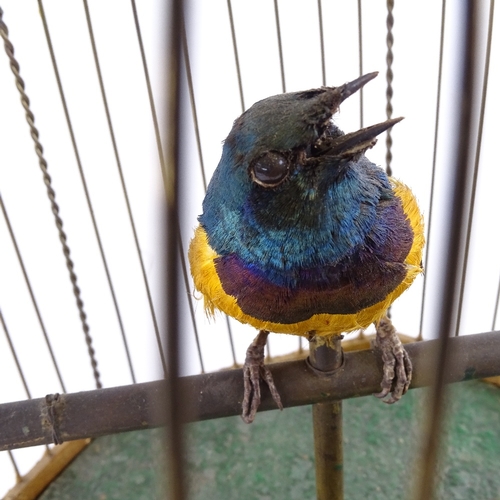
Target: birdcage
(116, 111)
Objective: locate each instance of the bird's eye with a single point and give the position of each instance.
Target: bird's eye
(270, 169)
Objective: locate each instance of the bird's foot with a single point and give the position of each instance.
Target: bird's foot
(253, 370)
(397, 365)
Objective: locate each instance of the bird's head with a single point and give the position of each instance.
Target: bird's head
(290, 133)
(286, 165)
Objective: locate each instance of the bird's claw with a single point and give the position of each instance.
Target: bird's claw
(254, 370)
(397, 364)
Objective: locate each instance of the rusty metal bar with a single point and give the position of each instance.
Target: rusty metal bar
(214, 395)
(453, 248)
(325, 360)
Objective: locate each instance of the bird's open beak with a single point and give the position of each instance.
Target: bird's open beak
(356, 143)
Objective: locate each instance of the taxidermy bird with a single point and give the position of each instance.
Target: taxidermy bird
(302, 234)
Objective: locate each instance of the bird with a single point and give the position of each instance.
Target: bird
(302, 234)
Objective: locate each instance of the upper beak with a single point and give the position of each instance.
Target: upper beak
(349, 88)
(334, 96)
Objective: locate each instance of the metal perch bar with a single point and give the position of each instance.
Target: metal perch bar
(214, 395)
(325, 360)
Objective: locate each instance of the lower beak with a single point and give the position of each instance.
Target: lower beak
(355, 143)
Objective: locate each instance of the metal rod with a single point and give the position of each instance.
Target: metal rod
(173, 394)
(32, 294)
(360, 51)
(322, 44)
(326, 360)
(219, 394)
(497, 303)
(433, 176)
(19, 477)
(161, 158)
(190, 302)
(236, 56)
(126, 197)
(14, 355)
(189, 78)
(479, 143)
(452, 249)
(280, 45)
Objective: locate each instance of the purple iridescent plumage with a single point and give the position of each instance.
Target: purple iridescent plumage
(359, 280)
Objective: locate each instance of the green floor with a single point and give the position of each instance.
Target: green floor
(273, 458)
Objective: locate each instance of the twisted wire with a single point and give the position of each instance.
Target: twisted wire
(30, 118)
(389, 78)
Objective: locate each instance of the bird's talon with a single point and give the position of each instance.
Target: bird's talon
(382, 394)
(391, 400)
(397, 364)
(268, 378)
(254, 370)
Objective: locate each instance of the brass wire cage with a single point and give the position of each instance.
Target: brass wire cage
(175, 398)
